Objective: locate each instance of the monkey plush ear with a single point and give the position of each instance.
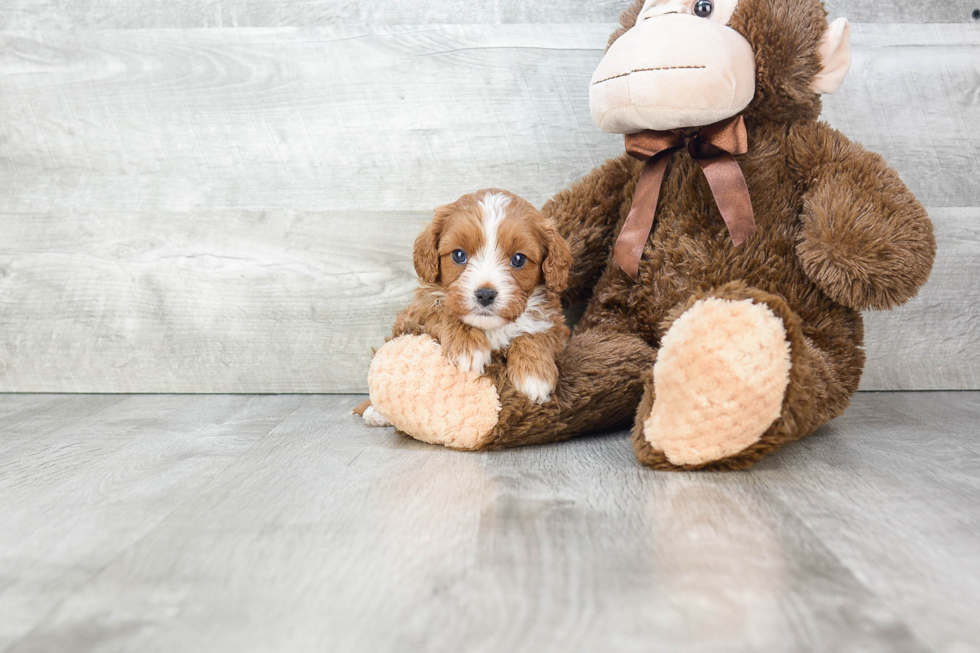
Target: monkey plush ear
(426, 252)
(835, 56)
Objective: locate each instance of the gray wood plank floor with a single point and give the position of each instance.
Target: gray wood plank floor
(258, 523)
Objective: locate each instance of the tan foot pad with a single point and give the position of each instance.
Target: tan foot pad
(719, 381)
(420, 392)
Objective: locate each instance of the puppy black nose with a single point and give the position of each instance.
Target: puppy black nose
(486, 296)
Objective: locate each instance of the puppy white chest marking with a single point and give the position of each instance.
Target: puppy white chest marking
(536, 318)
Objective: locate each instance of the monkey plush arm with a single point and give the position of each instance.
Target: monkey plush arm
(586, 214)
(865, 240)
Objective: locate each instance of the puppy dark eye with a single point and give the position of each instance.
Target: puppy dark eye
(518, 261)
(459, 256)
(703, 8)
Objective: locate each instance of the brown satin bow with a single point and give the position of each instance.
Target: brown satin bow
(714, 148)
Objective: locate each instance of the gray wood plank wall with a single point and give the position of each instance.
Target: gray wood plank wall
(222, 197)
(60, 14)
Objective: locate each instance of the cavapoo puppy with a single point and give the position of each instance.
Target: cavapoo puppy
(491, 268)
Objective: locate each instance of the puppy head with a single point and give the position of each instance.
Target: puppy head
(490, 251)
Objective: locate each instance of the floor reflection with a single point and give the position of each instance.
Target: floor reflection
(719, 566)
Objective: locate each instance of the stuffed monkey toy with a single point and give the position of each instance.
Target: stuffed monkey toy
(724, 260)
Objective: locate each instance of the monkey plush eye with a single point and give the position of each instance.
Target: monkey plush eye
(518, 261)
(703, 8)
(459, 256)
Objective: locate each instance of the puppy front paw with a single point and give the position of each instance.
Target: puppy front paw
(534, 388)
(469, 351)
(475, 360)
(533, 377)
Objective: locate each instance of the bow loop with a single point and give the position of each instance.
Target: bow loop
(728, 135)
(714, 148)
(648, 144)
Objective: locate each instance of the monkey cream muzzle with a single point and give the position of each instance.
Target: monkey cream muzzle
(671, 72)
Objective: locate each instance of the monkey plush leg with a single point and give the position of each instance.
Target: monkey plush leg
(734, 379)
(426, 397)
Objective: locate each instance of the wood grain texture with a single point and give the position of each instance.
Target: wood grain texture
(83, 478)
(232, 210)
(256, 524)
(281, 301)
(898, 474)
(294, 302)
(398, 118)
(931, 343)
(113, 14)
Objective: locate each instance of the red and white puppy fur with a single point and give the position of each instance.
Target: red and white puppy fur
(491, 268)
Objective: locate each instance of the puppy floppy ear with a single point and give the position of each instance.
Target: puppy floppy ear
(426, 251)
(557, 260)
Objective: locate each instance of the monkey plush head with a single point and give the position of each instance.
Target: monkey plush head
(676, 64)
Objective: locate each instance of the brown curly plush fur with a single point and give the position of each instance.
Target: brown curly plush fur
(838, 232)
